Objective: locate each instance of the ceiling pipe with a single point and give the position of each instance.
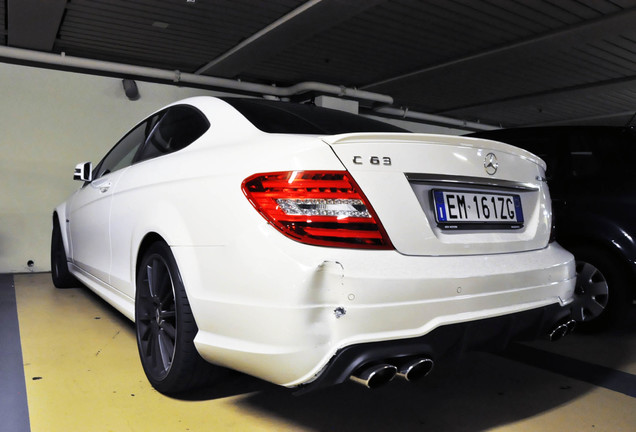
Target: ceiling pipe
(241, 86)
(405, 113)
(180, 77)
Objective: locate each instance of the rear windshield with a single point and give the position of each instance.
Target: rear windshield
(292, 118)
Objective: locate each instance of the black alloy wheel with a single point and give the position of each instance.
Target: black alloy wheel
(156, 319)
(165, 325)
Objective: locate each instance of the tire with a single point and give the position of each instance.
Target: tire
(60, 274)
(165, 326)
(601, 294)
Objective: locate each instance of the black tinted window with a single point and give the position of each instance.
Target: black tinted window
(123, 153)
(285, 117)
(179, 127)
(609, 153)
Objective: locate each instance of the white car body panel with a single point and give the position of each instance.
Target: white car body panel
(264, 303)
(91, 230)
(294, 300)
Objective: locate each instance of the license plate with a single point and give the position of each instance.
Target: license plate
(469, 210)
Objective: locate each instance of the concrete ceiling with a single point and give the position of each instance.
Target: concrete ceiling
(499, 62)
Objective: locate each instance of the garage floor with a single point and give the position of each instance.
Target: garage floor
(82, 373)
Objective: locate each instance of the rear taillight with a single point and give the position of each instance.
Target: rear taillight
(324, 208)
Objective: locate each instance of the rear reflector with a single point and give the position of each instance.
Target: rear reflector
(323, 208)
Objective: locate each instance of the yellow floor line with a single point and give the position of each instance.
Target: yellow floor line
(83, 375)
(83, 372)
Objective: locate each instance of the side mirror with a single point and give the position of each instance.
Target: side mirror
(83, 172)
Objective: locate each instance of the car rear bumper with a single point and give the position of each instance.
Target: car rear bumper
(491, 334)
(290, 314)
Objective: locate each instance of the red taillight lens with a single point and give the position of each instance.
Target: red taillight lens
(317, 207)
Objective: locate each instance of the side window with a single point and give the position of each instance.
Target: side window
(123, 153)
(584, 157)
(178, 128)
(608, 153)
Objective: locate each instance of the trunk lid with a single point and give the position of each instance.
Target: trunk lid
(403, 175)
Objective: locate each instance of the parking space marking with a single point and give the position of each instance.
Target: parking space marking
(14, 410)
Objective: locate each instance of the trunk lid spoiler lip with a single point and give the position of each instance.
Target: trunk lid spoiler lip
(437, 139)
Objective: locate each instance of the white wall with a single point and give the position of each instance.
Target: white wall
(49, 121)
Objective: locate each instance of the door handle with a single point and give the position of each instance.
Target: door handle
(103, 187)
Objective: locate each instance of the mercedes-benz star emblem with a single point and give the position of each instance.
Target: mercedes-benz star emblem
(491, 164)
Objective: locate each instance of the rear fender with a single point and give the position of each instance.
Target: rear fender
(161, 221)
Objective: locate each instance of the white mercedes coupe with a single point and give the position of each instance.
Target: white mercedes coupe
(306, 246)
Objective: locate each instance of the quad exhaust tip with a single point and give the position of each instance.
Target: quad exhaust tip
(376, 375)
(416, 369)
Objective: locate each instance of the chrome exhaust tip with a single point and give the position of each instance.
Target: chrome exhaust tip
(416, 369)
(571, 325)
(561, 330)
(374, 376)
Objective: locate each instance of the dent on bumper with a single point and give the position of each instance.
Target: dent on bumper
(289, 336)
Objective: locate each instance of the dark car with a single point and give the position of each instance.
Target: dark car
(592, 178)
